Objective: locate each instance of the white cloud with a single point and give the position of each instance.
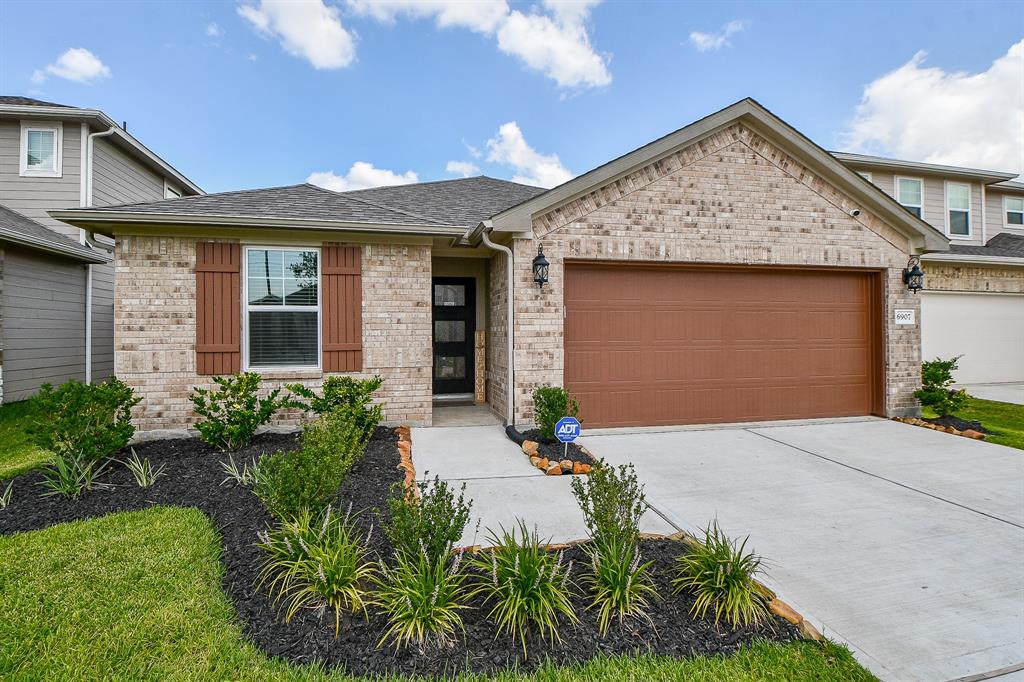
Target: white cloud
(473, 151)
(924, 113)
(213, 30)
(77, 64)
(532, 168)
(482, 16)
(463, 168)
(705, 42)
(308, 29)
(361, 176)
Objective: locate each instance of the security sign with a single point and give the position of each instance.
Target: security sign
(567, 429)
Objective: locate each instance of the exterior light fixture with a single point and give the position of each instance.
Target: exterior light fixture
(540, 268)
(913, 277)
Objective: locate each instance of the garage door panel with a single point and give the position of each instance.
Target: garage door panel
(987, 329)
(701, 345)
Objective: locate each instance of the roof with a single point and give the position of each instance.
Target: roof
(1003, 245)
(19, 229)
(899, 164)
(1010, 185)
(17, 100)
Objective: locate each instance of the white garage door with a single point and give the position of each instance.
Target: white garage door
(987, 329)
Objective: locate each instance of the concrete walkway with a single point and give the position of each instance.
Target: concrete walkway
(1004, 393)
(905, 543)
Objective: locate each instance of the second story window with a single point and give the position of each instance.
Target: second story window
(910, 194)
(1014, 210)
(41, 150)
(958, 209)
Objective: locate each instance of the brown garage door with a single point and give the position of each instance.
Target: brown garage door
(693, 345)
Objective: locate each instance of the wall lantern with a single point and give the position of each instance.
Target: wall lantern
(913, 277)
(540, 268)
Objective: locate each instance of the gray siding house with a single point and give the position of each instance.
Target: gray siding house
(57, 281)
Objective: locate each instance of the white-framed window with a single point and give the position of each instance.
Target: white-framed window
(958, 209)
(281, 304)
(170, 191)
(1013, 208)
(41, 144)
(910, 194)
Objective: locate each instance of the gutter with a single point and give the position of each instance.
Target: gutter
(485, 235)
(57, 249)
(968, 258)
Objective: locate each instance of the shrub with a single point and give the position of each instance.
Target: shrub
(422, 598)
(612, 501)
(71, 474)
(526, 583)
(317, 561)
(551, 403)
(431, 523)
(352, 397)
(619, 583)
(84, 423)
(721, 575)
(936, 389)
(232, 413)
(144, 473)
(309, 477)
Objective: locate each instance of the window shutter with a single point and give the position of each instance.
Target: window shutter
(341, 295)
(218, 303)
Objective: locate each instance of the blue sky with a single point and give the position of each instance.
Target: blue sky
(251, 94)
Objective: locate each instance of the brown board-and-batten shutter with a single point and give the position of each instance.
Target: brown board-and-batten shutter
(342, 306)
(218, 308)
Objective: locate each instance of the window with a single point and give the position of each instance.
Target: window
(282, 307)
(41, 149)
(1014, 207)
(910, 194)
(958, 209)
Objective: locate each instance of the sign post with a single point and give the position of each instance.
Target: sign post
(566, 431)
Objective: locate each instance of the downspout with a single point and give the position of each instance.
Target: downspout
(983, 240)
(90, 239)
(510, 295)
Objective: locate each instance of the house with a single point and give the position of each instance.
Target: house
(973, 303)
(729, 271)
(56, 281)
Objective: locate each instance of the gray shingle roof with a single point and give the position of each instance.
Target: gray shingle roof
(20, 229)
(1003, 245)
(463, 202)
(17, 100)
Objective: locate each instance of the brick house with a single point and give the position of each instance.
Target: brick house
(729, 271)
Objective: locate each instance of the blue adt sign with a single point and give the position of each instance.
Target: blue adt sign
(567, 429)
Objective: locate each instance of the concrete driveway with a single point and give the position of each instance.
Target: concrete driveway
(905, 543)
(1004, 393)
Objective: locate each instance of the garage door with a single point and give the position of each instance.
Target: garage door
(987, 329)
(692, 345)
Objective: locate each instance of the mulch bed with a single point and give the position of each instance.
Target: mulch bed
(551, 449)
(193, 478)
(956, 423)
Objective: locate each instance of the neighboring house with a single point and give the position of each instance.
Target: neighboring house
(729, 271)
(57, 283)
(973, 304)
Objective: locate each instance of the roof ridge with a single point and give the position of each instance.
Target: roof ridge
(378, 205)
(439, 182)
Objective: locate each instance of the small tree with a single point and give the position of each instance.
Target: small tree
(551, 403)
(936, 389)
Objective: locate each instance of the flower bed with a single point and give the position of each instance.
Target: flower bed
(551, 457)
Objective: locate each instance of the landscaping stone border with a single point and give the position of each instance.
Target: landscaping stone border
(550, 466)
(404, 434)
(916, 421)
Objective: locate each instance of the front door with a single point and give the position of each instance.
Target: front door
(454, 327)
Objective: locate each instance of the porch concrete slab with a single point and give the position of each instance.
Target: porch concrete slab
(458, 452)
(1005, 393)
(464, 415)
(920, 587)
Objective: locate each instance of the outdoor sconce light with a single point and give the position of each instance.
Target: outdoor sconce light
(913, 277)
(540, 268)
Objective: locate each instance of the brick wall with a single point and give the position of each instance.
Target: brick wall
(732, 198)
(497, 335)
(155, 330)
(980, 278)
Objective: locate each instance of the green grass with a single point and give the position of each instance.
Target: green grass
(1004, 420)
(137, 596)
(18, 453)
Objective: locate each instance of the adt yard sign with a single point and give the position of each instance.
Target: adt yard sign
(567, 429)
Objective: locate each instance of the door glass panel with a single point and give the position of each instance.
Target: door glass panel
(449, 331)
(449, 295)
(449, 367)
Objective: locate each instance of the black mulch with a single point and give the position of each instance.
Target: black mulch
(193, 478)
(957, 423)
(552, 449)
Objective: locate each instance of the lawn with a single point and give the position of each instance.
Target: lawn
(137, 596)
(1004, 420)
(17, 452)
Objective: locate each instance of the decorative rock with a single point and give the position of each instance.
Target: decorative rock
(535, 461)
(781, 608)
(543, 464)
(950, 429)
(584, 469)
(971, 433)
(810, 632)
(530, 448)
(765, 591)
(566, 465)
(577, 467)
(554, 469)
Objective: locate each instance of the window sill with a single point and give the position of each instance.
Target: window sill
(961, 237)
(40, 174)
(287, 374)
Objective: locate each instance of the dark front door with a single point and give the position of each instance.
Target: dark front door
(454, 325)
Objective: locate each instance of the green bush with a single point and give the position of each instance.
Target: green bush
(612, 501)
(84, 422)
(526, 584)
(309, 477)
(936, 389)
(352, 397)
(431, 523)
(232, 413)
(317, 561)
(619, 582)
(721, 574)
(551, 403)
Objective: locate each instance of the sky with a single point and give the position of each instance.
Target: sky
(354, 93)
